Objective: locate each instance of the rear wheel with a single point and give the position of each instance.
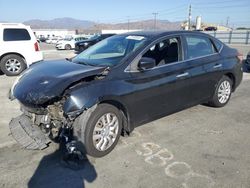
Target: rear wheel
(222, 93)
(67, 47)
(12, 65)
(100, 130)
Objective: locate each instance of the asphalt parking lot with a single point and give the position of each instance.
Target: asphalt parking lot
(198, 147)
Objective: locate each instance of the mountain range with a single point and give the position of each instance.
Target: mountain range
(59, 23)
(71, 23)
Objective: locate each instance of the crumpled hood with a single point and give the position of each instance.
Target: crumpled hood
(46, 80)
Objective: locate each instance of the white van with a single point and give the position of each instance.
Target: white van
(18, 48)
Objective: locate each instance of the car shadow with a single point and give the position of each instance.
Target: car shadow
(58, 171)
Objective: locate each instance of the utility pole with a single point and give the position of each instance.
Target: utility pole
(155, 14)
(189, 17)
(227, 21)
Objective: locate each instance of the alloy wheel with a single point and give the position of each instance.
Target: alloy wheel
(105, 131)
(224, 92)
(13, 65)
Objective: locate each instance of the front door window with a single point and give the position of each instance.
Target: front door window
(165, 52)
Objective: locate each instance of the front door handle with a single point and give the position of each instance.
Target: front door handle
(182, 75)
(217, 66)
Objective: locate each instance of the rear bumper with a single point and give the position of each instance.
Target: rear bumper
(238, 73)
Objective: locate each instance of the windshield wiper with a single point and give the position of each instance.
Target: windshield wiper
(84, 63)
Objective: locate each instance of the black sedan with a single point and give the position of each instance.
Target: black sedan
(84, 44)
(248, 61)
(120, 83)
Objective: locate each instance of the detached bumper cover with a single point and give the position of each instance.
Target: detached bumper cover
(26, 134)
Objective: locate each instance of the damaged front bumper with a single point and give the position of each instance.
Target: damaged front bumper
(37, 127)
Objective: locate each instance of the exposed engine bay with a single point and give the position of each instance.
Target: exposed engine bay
(35, 131)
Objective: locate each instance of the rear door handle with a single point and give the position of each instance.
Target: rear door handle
(217, 66)
(182, 75)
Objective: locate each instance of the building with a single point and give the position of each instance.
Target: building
(54, 32)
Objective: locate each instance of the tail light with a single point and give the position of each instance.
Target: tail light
(36, 46)
(240, 57)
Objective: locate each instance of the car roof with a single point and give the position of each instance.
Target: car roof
(13, 25)
(157, 34)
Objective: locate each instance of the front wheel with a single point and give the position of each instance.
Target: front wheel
(100, 130)
(222, 93)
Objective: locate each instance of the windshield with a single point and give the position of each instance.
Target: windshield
(110, 51)
(93, 37)
(68, 39)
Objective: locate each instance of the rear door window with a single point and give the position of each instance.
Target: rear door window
(16, 35)
(218, 45)
(198, 46)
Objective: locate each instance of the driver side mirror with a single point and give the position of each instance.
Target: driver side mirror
(146, 63)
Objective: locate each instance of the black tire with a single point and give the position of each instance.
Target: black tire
(215, 101)
(67, 47)
(12, 57)
(85, 124)
(82, 48)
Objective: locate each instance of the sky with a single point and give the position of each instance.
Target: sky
(237, 12)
